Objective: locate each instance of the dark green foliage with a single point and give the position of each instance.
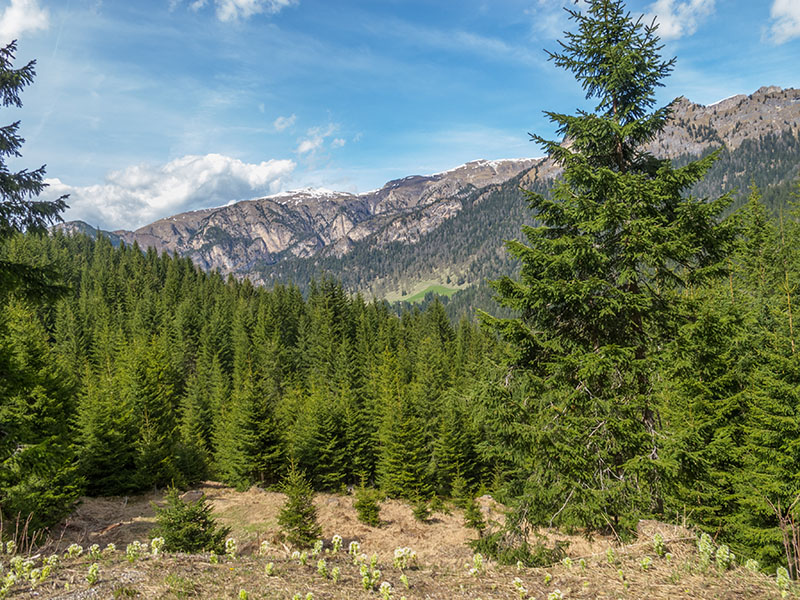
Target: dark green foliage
(403, 460)
(188, 526)
(37, 473)
(367, 505)
(166, 391)
(454, 455)
(509, 545)
(298, 516)
(618, 240)
(38, 479)
(106, 438)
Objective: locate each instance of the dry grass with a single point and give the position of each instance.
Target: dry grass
(444, 559)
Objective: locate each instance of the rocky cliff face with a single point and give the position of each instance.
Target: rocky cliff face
(308, 223)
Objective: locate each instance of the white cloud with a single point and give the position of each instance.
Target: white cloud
(678, 18)
(315, 138)
(338, 142)
(309, 145)
(141, 194)
(283, 123)
(20, 17)
(786, 20)
(233, 10)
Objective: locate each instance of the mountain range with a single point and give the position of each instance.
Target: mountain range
(447, 229)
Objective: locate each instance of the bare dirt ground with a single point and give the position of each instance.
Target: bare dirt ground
(444, 559)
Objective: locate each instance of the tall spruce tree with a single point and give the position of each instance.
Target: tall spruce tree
(617, 238)
(36, 473)
(20, 209)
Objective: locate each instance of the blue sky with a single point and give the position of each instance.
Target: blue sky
(146, 108)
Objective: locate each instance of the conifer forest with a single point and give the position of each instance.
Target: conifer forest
(643, 362)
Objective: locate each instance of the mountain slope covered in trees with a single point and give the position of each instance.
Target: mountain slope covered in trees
(449, 228)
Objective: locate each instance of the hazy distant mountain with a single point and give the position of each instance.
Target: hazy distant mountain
(448, 227)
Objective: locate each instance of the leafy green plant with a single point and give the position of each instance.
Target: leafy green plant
(322, 567)
(705, 548)
(520, 588)
(188, 526)
(370, 576)
(782, 578)
(93, 575)
(385, 590)
(404, 558)
(231, 548)
(658, 544)
(724, 557)
(134, 550)
(156, 545)
(404, 581)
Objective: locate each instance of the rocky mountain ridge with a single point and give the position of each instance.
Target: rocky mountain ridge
(247, 237)
(301, 223)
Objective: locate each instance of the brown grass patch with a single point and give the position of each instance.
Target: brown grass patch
(440, 543)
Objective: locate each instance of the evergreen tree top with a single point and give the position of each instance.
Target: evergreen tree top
(617, 60)
(20, 211)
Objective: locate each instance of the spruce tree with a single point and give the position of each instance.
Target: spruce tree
(20, 209)
(188, 526)
(403, 458)
(618, 236)
(38, 478)
(298, 515)
(107, 433)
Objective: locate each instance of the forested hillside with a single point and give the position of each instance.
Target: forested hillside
(152, 371)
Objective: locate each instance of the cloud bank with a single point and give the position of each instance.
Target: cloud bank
(785, 20)
(677, 18)
(140, 194)
(20, 17)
